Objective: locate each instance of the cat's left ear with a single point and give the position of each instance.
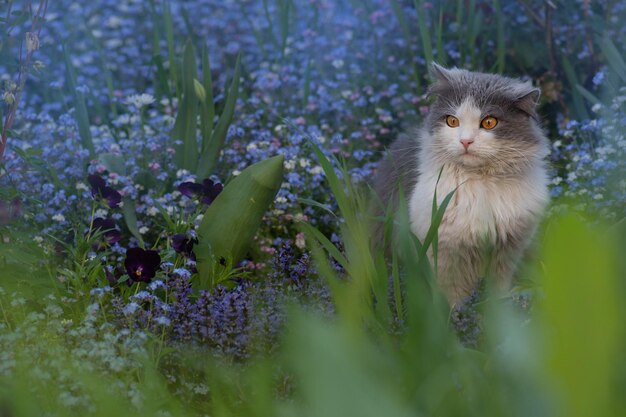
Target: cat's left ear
(527, 100)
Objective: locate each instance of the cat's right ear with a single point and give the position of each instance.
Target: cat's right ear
(440, 74)
(527, 100)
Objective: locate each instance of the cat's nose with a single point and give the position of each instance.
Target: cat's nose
(466, 143)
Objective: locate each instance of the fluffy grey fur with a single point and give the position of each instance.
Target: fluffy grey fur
(500, 179)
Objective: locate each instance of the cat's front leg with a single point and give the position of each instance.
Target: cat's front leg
(459, 271)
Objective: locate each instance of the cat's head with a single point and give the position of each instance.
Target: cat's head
(484, 121)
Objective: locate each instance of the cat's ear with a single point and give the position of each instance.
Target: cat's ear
(527, 98)
(440, 74)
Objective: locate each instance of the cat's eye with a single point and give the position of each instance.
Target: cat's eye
(452, 121)
(489, 122)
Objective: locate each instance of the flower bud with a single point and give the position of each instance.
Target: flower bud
(200, 91)
(32, 42)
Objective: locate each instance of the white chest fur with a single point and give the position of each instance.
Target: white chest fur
(483, 207)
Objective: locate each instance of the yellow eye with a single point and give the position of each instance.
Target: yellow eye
(489, 122)
(452, 121)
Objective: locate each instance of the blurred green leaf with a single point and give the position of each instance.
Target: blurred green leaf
(580, 315)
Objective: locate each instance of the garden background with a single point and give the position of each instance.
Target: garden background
(183, 211)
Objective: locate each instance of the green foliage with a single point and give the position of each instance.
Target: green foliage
(80, 105)
(213, 143)
(197, 99)
(231, 221)
(185, 126)
(115, 163)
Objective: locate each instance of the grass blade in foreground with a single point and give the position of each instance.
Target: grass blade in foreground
(230, 223)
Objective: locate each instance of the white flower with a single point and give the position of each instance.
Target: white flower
(300, 242)
(32, 41)
(81, 186)
(58, 218)
(290, 164)
(316, 170)
(337, 63)
(140, 100)
(102, 213)
(143, 230)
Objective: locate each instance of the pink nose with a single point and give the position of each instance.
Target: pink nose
(466, 143)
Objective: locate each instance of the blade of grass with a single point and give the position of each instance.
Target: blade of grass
(441, 53)
(500, 40)
(424, 32)
(579, 105)
(326, 244)
(307, 84)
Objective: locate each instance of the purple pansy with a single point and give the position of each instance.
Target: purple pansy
(141, 264)
(184, 245)
(109, 232)
(99, 189)
(207, 191)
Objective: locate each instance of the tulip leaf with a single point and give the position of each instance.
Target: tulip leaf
(211, 154)
(230, 223)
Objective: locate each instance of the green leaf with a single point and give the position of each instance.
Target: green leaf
(613, 56)
(230, 223)
(185, 126)
(577, 98)
(130, 218)
(113, 162)
(211, 154)
(580, 314)
(208, 105)
(82, 116)
(169, 36)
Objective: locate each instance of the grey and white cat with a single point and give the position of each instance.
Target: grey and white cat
(483, 131)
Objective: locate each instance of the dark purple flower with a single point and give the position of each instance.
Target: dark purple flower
(190, 189)
(107, 226)
(99, 189)
(184, 245)
(141, 264)
(206, 192)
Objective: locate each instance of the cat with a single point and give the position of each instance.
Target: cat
(483, 135)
